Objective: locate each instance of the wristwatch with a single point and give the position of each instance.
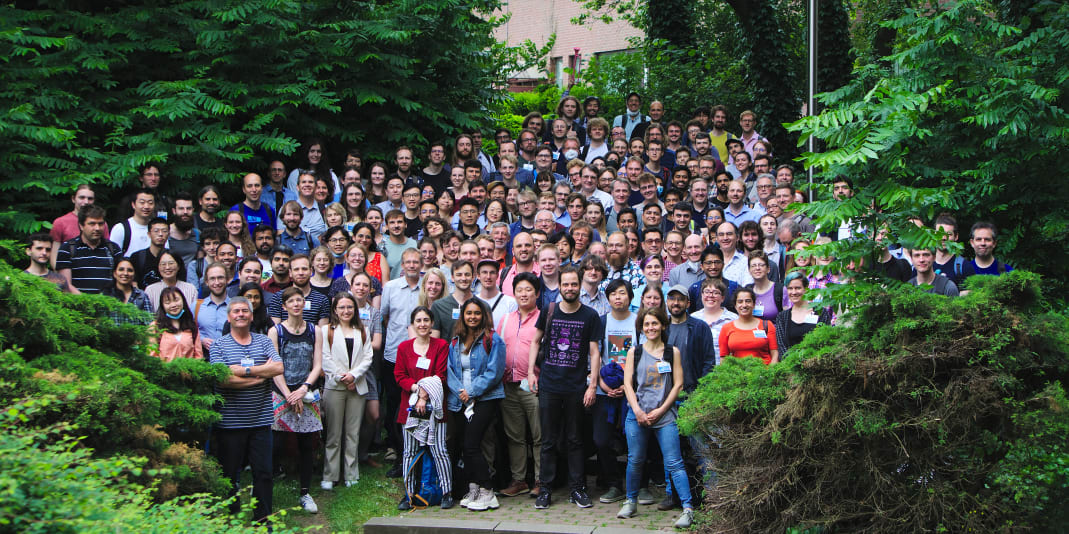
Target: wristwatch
(248, 371)
(307, 385)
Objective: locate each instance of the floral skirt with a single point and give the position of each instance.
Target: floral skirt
(288, 420)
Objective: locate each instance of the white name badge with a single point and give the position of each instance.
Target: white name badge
(760, 334)
(247, 362)
(759, 310)
(365, 316)
(528, 166)
(456, 313)
(663, 367)
(810, 319)
(307, 305)
(423, 363)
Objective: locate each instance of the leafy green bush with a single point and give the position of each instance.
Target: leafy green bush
(50, 483)
(120, 399)
(925, 414)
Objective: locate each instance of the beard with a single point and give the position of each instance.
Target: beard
(184, 223)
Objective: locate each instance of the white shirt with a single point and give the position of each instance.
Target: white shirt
(505, 306)
(138, 236)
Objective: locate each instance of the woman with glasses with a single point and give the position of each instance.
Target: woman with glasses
(770, 295)
(712, 311)
(336, 239)
(653, 269)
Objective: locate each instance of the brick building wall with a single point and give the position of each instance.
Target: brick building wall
(537, 20)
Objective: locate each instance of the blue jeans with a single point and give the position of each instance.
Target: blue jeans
(668, 437)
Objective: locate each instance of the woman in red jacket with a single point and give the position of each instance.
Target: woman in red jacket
(419, 358)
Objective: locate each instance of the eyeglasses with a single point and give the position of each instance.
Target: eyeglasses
(711, 292)
(710, 263)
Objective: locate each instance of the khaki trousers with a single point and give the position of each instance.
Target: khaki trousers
(344, 413)
(518, 410)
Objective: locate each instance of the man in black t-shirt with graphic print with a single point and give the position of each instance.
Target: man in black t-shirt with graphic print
(566, 383)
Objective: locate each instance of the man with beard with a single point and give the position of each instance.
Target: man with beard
(209, 207)
(718, 135)
(737, 211)
(316, 306)
(292, 235)
(699, 200)
(184, 237)
(722, 180)
(280, 270)
(146, 261)
(591, 108)
(983, 236)
(620, 264)
(403, 159)
(528, 144)
(697, 352)
(523, 250)
(436, 173)
(254, 211)
(527, 203)
(566, 384)
(264, 239)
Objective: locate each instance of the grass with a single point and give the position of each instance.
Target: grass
(343, 509)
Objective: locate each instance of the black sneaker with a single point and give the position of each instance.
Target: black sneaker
(668, 503)
(395, 471)
(543, 500)
(581, 499)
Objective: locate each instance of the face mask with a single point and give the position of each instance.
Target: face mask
(179, 316)
(571, 154)
(336, 256)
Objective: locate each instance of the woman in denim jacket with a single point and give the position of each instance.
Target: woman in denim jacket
(476, 367)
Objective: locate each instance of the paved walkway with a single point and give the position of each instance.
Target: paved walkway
(521, 509)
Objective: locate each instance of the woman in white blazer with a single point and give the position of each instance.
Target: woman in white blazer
(347, 356)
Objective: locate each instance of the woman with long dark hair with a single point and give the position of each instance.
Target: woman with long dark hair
(748, 335)
(122, 288)
(355, 204)
(420, 371)
(476, 367)
(364, 235)
(315, 162)
(376, 182)
(175, 327)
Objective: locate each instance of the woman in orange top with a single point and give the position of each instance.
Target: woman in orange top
(748, 335)
(176, 328)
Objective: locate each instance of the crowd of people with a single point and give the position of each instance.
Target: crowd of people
(566, 290)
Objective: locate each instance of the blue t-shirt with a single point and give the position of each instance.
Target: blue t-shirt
(992, 269)
(264, 215)
(247, 407)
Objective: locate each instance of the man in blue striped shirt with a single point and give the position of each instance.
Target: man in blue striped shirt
(244, 431)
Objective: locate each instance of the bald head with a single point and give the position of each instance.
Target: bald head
(692, 247)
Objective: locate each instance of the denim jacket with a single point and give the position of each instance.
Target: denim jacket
(487, 371)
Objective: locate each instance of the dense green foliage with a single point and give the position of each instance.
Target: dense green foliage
(53, 484)
(210, 89)
(927, 414)
(968, 115)
(120, 400)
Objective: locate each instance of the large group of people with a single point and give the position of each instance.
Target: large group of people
(566, 289)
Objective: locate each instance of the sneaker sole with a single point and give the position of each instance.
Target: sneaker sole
(625, 516)
(581, 506)
(603, 500)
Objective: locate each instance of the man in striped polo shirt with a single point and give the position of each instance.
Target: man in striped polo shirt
(245, 428)
(86, 261)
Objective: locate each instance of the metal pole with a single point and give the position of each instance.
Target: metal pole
(812, 102)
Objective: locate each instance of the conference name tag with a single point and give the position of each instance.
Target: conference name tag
(456, 313)
(247, 362)
(423, 363)
(760, 334)
(365, 315)
(307, 305)
(810, 319)
(759, 310)
(663, 367)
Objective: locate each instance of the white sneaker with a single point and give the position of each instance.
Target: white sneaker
(487, 499)
(471, 495)
(685, 519)
(350, 483)
(308, 504)
(326, 485)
